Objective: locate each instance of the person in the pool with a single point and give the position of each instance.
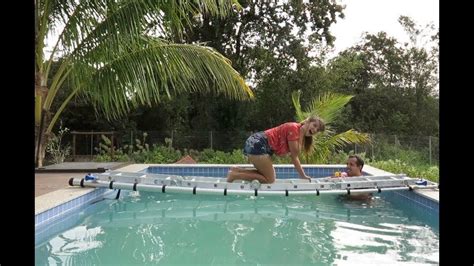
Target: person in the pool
(354, 167)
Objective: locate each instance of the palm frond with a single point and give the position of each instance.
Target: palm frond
(295, 97)
(100, 38)
(329, 106)
(143, 76)
(86, 23)
(348, 137)
(325, 143)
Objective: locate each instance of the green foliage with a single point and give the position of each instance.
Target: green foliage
(328, 107)
(396, 85)
(340, 157)
(55, 149)
(105, 152)
(392, 84)
(193, 153)
(119, 55)
(138, 153)
(398, 166)
(387, 151)
(279, 41)
(219, 157)
(268, 50)
(158, 154)
(283, 160)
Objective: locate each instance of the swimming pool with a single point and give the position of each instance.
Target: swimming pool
(150, 228)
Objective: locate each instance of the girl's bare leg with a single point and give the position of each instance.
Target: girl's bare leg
(264, 173)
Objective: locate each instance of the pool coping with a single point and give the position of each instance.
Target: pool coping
(55, 198)
(431, 194)
(49, 206)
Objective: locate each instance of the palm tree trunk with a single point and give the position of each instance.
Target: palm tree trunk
(40, 143)
(41, 138)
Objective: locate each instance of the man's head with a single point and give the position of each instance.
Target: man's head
(354, 165)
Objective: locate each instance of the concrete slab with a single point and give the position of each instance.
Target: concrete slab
(49, 182)
(98, 167)
(58, 197)
(429, 193)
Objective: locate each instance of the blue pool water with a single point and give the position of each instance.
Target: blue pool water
(143, 228)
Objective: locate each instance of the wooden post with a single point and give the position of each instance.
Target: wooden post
(172, 136)
(91, 134)
(211, 139)
(92, 145)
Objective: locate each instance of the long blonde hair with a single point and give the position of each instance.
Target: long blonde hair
(308, 140)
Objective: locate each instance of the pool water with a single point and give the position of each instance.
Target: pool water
(150, 228)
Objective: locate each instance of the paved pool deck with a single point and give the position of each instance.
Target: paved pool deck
(51, 182)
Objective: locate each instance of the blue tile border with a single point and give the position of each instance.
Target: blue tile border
(54, 213)
(70, 218)
(419, 200)
(221, 171)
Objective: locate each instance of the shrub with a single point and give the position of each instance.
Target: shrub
(399, 167)
(105, 152)
(55, 149)
(387, 151)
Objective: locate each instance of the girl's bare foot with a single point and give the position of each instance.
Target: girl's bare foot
(235, 169)
(230, 175)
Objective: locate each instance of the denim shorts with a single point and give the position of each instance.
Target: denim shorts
(257, 144)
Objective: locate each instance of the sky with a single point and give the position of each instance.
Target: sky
(374, 16)
(380, 15)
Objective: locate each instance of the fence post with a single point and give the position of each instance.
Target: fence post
(173, 132)
(92, 144)
(211, 138)
(429, 140)
(112, 147)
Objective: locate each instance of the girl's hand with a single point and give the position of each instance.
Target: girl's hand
(307, 177)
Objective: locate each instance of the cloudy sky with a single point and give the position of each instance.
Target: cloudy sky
(380, 15)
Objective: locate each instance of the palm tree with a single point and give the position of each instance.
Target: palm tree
(327, 106)
(117, 54)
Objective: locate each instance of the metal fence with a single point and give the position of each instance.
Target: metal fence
(381, 147)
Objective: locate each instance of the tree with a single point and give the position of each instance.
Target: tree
(328, 107)
(272, 43)
(117, 55)
(395, 84)
(420, 77)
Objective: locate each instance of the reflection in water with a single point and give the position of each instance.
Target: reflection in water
(387, 243)
(149, 228)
